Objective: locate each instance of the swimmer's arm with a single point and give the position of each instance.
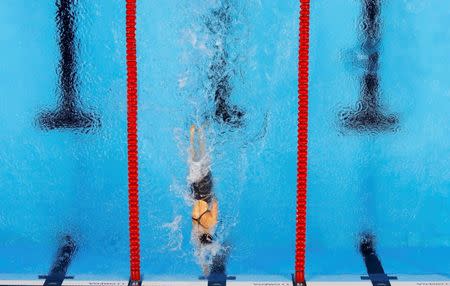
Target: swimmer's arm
(191, 141)
(202, 142)
(195, 211)
(214, 211)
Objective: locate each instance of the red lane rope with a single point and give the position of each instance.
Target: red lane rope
(302, 137)
(133, 198)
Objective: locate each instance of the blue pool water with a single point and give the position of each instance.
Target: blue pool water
(253, 166)
(394, 184)
(61, 182)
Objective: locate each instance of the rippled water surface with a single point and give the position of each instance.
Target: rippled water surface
(228, 65)
(378, 137)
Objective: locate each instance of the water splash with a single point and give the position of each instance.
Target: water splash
(175, 235)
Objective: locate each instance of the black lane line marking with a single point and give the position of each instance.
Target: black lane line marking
(68, 114)
(219, 75)
(295, 283)
(218, 272)
(373, 264)
(369, 115)
(61, 264)
(134, 283)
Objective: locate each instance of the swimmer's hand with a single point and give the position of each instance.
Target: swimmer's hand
(192, 133)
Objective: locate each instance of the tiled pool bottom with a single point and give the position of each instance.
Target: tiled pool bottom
(237, 280)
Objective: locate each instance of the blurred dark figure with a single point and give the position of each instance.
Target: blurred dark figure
(64, 256)
(369, 115)
(68, 114)
(219, 74)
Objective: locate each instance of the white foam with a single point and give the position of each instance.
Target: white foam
(175, 234)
